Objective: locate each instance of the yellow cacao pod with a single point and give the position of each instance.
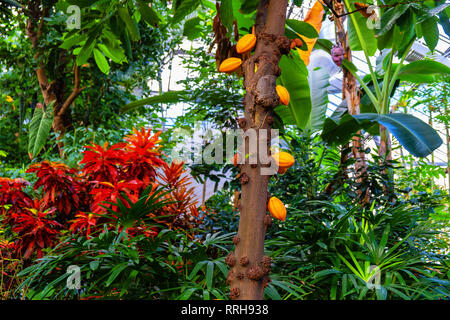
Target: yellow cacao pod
(284, 160)
(283, 94)
(229, 65)
(246, 43)
(277, 208)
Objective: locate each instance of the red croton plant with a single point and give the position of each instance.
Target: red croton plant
(74, 200)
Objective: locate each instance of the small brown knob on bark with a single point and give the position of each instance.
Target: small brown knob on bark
(242, 122)
(266, 263)
(269, 120)
(236, 239)
(234, 293)
(244, 178)
(230, 259)
(244, 261)
(240, 276)
(255, 273)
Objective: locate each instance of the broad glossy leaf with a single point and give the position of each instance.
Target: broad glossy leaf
(423, 71)
(294, 77)
(302, 28)
(40, 127)
(412, 133)
(431, 32)
(318, 83)
(389, 17)
(368, 35)
(226, 14)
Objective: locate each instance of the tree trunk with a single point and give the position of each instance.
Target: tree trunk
(52, 92)
(249, 267)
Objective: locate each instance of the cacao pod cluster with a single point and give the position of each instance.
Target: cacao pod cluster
(275, 206)
(244, 45)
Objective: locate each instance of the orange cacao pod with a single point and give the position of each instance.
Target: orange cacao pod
(246, 43)
(229, 65)
(277, 208)
(283, 94)
(284, 160)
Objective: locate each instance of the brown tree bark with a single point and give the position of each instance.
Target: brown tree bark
(249, 267)
(52, 91)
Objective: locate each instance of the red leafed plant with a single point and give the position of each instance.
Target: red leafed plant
(102, 163)
(142, 155)
(36, 229)
(110, 192)
(59, 184)
(84, 223)
(11, 193)
(183, 206)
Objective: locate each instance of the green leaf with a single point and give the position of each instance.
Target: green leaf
(319, 83)
(423, 71)
(187, 293)
(101, 61)
(115, 272)
(130, 24)
(249, 6)
(86, 51)
(115, 54)
(368, 35)
(272, 293)
(192, 28)
(94, 265)
(166, 97)
(209, 274)
(40, 127)
(302, 28)
(294, 77)
(150, 15)
(185, 8)
(76, 39)
(389, 18)
(430, 32)
(226, 14)
(412, 133)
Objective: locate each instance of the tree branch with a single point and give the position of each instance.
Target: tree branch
(75, 92)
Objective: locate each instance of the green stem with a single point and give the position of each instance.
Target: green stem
(397, 69)
(386, 82)
(364, 47)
